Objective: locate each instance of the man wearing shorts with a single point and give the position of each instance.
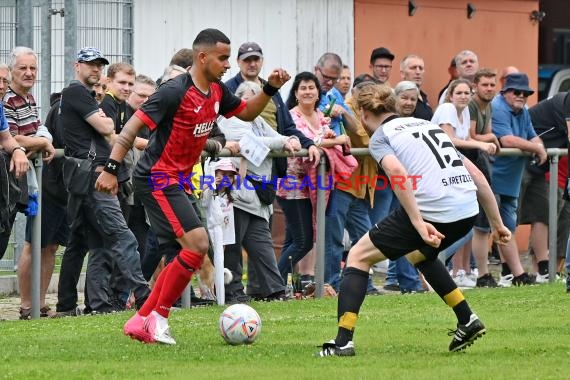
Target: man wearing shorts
(437, 208)
(181, 115)
(511, 123)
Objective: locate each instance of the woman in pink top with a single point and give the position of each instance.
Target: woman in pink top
(294, 191)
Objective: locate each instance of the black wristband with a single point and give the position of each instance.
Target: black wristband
(112, 167)
(269, 89)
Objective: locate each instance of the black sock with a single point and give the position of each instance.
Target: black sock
(350, 297)
(505, 270)
(543, 267)
(438, 277)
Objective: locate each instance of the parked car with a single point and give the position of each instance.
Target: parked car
(552, 79)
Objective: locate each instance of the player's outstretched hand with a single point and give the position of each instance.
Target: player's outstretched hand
(107, 183)
(501, 235)
(278, 78)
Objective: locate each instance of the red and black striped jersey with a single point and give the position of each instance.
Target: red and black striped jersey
(180, 118)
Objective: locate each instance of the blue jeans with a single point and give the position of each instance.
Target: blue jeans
(384, 202)
(508, 210)
(344, 211)
(298, 233)
(447, 253)
(401, 272)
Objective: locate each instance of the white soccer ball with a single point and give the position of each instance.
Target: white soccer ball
(240, 324)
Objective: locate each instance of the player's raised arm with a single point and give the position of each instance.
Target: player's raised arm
(257, 103)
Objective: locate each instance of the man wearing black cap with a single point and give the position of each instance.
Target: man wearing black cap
(381, 64)
(276, 114)
(511, 123)
(250, 61)
(88, 134)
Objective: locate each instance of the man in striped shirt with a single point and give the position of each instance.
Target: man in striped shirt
(25, 125)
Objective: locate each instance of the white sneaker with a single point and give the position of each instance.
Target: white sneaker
(158, 327)
(506, 281)
(542, 278)
(474, 275)
(462, 281)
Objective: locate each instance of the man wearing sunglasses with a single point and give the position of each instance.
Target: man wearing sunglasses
(513, 127)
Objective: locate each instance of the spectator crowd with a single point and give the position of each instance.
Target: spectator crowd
(482, 110)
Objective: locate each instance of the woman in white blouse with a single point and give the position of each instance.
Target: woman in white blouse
(453, 117)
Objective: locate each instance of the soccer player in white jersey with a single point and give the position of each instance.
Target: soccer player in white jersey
(438, 191)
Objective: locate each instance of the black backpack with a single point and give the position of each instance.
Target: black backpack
(13, 193)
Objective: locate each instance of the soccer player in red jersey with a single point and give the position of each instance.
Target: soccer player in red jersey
(180, 115)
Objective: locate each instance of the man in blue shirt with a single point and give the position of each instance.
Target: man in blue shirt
(513, 127)
(328, 70)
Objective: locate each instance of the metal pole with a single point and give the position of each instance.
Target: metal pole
(37, 242)
(320, 243)
(185, 298)
(127, 33)
(24, 23)
(45, 58)
(552, 216)
(70, 35)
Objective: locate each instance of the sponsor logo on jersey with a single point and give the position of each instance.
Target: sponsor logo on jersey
(203, 129)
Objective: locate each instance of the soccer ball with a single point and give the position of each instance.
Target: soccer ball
(240, 324)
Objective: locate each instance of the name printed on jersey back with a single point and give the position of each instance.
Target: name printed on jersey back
(457, 179)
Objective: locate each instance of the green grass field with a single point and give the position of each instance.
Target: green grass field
(397, 337)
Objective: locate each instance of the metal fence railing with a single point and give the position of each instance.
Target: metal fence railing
(553, 154)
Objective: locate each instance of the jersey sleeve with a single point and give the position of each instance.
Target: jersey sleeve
(379, 146)
(162, 103)
(230, 105)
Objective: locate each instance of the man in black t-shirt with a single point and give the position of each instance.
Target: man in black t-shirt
(88, 131)
(551, 121)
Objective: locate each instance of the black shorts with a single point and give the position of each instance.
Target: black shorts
(395, 236)
(533, 199)
(171, 211)
(55, 229)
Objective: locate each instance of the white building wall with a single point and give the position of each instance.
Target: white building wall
(292, 33)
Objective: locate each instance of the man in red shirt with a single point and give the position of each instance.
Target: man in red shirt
(181, 115)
